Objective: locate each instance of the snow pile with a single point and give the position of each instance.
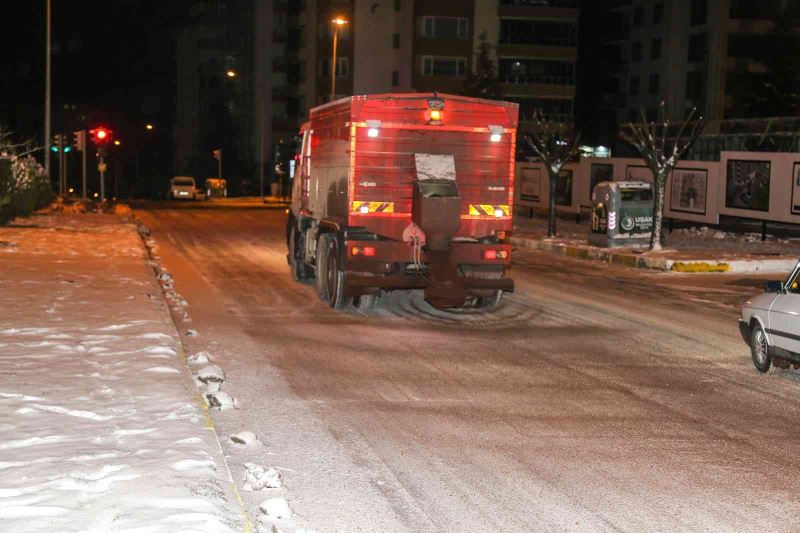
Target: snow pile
(211, 373)
(257, 478)
(98, 431)
(245, 438)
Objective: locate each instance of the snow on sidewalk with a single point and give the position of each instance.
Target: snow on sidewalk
(100, 427)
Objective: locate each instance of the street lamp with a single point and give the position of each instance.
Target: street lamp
(149, 126)
(337, 23)
(231, 73)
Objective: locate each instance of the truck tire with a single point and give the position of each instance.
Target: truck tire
(334, 273)
(322, 266)
(487, 304)
(297, 266)
(365, 302)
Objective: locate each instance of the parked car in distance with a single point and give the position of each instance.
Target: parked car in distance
(770, 323)
(216, 188)
(182, 188)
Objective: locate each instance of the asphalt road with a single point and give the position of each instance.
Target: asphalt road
(595, 397)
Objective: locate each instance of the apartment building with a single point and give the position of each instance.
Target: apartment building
(418, 45)
(249, 70)
(688, 53)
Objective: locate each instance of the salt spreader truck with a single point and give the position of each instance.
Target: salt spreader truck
(405, 191)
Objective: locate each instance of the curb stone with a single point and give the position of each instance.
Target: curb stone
(693, 266)
(141, 229)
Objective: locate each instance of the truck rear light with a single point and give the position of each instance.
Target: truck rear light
(496, 137)
(436, 115)
(499, 213)
(491, 254)
(364, 209)
(372, 132)
(366, 251)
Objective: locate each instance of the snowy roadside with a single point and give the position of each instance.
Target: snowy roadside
(100, 427)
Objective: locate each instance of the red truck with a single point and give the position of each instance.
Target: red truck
(405, 191)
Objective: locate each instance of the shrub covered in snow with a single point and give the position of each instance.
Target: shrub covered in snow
(24, 187)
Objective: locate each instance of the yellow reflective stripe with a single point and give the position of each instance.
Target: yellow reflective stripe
(488, 210)
(373, 207)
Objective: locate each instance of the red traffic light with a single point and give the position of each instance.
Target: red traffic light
(100, 135)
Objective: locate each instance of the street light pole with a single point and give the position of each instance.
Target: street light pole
(338, 21)
(47, 98)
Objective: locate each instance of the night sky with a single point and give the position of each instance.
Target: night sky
(113, 56)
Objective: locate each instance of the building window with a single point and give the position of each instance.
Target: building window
(697, 48)
(655, 49)
(542, 32)
(652, 85)
(699, 12)
(658, 13)
(396, 41)
(444, 27)
(522, 70)
(638, 16)
(444, 66)
(395, 78)
(633, 86)
(636, 51)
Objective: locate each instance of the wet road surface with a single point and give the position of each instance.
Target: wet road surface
(594, 398)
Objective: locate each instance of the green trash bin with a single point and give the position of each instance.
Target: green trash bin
(622, 214)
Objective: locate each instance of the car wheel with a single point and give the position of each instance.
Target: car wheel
(759, 348)
(334, 283)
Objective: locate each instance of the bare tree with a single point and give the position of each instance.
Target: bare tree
(661, 151)
(556, 144)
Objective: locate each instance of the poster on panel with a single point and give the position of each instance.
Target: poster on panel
(689, 190)
(564, 188)
(796, 189)
(747, 184)
(599, 173)
(638, 173)
(530, 184)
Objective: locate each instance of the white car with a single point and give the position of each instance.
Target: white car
(770, 323)
(182, 188)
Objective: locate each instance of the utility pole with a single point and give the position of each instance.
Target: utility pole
(102, 168)
(82, 146)
(47, 97)
(218, 156)
(59, 142)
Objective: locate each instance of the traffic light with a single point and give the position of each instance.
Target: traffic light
(57, 143)
(101, 136)
(79, 140)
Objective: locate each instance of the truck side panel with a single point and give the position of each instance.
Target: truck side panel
(330, 161)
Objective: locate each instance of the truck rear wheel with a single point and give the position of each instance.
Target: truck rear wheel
(297, 265)
(487, 304)
(365, 302)
(334, 274)
(322, 266)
